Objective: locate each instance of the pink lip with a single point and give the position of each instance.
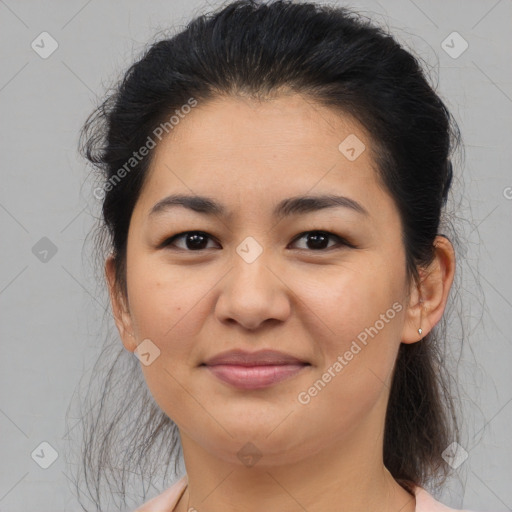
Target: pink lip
(254, 377)
(254, 370)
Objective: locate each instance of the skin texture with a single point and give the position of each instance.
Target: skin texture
(311, 303)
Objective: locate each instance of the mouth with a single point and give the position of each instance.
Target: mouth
(256, 370)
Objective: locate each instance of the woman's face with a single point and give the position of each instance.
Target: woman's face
(257, 280)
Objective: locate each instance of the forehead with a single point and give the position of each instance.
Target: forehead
(244, 151)
(286, 125)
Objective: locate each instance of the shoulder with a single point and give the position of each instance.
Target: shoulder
(166, 501)
(427, 503)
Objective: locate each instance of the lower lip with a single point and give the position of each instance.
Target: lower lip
(255, 377)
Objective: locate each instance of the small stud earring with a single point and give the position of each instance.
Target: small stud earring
(420, 330)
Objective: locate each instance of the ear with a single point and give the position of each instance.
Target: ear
(427, 299)
(120, 309)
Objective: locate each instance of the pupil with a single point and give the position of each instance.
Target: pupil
(317, 239)
(195, 240)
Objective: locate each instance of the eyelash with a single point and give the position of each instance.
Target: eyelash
(341, 241)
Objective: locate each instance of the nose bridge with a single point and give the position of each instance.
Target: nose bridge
(253, 292)
(250, 250)
(251, 269)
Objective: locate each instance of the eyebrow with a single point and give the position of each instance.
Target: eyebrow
(286, 208)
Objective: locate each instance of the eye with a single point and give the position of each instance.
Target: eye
(197, 240)
(194, 240)
(317, 240)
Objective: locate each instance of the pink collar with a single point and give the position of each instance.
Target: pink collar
(166, 501)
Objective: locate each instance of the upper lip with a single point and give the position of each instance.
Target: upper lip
(258, 358)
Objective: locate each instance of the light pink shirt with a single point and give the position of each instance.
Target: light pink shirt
(167, 501)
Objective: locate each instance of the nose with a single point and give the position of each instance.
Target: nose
(253, 293)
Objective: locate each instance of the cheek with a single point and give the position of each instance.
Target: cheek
(166, 302)
(169, 307)
(354, 302)
(359, 337)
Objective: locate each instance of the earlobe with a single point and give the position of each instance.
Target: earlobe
(429, 296)
(415, 328)
(120, 310)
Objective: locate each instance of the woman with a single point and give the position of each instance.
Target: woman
(274, 182)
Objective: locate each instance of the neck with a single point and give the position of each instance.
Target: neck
(347, 476)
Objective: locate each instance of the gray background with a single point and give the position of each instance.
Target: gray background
(50, 304)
